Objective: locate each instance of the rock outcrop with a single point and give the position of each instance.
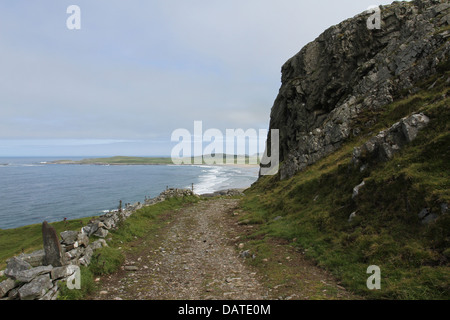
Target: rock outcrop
(383, 146)
(350, 68)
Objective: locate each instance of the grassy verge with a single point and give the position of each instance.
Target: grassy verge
(143, 223)
(312, 209)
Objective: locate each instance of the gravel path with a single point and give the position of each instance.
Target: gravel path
(193, 258)
(194, 255)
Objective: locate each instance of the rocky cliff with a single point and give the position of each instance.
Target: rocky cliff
(351, 68)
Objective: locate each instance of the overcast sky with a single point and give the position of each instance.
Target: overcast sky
(138, 70)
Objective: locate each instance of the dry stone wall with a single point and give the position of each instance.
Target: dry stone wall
(36, 275)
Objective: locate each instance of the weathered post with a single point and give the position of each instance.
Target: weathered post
(53, 252)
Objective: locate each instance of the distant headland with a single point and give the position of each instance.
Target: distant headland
(123, 160)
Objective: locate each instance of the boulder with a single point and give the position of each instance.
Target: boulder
(101, 233)
(71, 246)
(64, 272)
(35, 259)
(93, 227)
(51, 294)
(98, 244)
(13, 294)
(83, 239)
(69, 237)
(30, 274)
(6, 286)
(109, 223)
(14, 266)
(75, 253)
(36, 288)
(85, 260)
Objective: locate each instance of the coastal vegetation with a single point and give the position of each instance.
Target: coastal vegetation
(311, 211)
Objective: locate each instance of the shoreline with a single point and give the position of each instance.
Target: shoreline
(145, 202)
(206, 172)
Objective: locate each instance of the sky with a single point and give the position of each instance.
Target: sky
(137, 70)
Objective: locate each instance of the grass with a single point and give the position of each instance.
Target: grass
(316, 203)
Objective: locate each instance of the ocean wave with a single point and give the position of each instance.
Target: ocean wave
(217, 178)
(20, 165)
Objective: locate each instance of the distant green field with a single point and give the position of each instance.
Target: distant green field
(121, 160)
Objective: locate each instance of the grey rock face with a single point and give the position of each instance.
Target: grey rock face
(350, 68)
(383, 146)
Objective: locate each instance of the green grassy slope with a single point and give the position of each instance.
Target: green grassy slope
(315, 205)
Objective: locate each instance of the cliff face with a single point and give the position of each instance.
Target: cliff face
(350, 68)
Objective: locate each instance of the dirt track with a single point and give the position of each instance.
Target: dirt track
(195, 257)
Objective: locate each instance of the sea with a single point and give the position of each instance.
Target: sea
(32, 190)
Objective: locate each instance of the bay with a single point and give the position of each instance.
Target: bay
(31, 190)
